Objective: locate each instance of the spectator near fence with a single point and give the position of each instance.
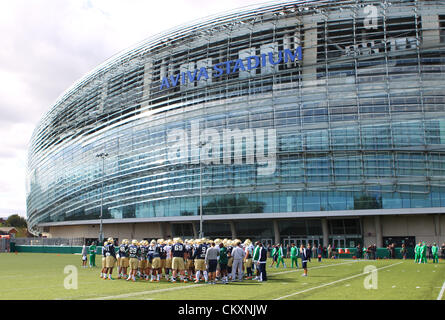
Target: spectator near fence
(403, 251)
(358, 254)
(443, 250)
(319, 253)
(314, 251)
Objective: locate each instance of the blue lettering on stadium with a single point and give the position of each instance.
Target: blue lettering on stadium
(232, 66)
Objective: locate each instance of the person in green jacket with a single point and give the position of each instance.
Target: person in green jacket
(281, 256)
(293, 255)
(417, 253)
(435, 252)
(92, 250)
(423, 249)
(274, 255)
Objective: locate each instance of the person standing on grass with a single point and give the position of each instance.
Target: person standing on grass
(238, 256)
(403, 251)
(358, 251)
(92, 250)
(423, 249)
(211, 260)
(230, 244)
(305, 257)
(104, 258)
(314, 251)
(329, 252)
(319, 252)
(435, 253)
(248, 258)
(274, 254)
(84, 256)
(223, 260)
(280, 256)
(110, 261)
(133, 254)
(255, 257)
(124, 262)
(199, 259)
(262, 260)
(443, 250)
(417, 252)
(178, 255)
(293, 255)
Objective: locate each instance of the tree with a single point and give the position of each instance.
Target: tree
(16, 221)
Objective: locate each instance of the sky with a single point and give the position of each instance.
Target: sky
(47, 45)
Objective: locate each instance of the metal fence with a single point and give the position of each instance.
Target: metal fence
(49, 241)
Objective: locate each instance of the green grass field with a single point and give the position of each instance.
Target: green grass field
(34, 276)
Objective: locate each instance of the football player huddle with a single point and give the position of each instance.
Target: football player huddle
(178, 260)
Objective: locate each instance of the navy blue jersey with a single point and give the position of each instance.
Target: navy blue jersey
(150, 253)
(155, 251)
(162, 252)
(134, 251)
(178, 250)
(123, 250)
(200, 252)
(305, 254)
(110, 250)
(189, 251)
(263, 255)
(229, 251)
(144, 251)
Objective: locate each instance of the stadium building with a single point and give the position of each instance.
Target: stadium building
(319, 121)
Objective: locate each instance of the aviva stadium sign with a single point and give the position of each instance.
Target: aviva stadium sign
(232, 66)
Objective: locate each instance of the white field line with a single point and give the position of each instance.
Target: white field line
(333, 282)
(439, 297)
(133, 294)
(312, 268)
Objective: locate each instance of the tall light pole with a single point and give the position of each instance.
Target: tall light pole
(201, 233)
(103, 156)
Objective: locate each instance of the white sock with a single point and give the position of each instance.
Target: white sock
(206, 276)
(198, 274)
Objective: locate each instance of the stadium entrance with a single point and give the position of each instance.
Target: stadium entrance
(302, 241)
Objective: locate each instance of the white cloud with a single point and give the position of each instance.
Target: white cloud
(49, 44)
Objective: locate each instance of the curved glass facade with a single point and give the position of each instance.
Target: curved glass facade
(318, 106)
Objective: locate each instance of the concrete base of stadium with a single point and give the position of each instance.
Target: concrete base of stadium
(340, 230)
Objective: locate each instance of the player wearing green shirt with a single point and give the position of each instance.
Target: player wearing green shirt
(293, 255)
(423, 249)
(417, 253)
(274, 255)
(280, 256)
(435, 252)
(92, 249)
